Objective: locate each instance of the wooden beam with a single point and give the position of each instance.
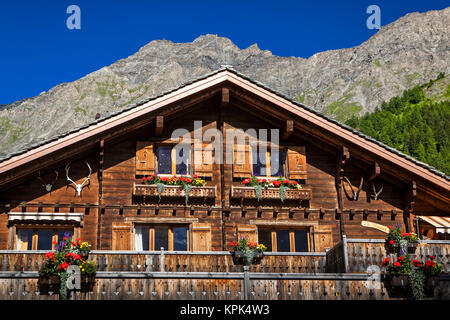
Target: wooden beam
(374, 172)
(342, 158)
(409, 199)
(225, 97)
(288, 129)
(159, 125)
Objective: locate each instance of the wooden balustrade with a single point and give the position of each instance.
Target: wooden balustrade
(210, 286)
(174, 191)
(270, 193)
(150, 261)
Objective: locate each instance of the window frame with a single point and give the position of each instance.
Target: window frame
(34, 237)
(273, 237)
(268, 164)
(169, 226)
(173, 156)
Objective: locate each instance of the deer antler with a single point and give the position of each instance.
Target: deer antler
(48, 186)
(376, 193)
(78, 187)
(355, 195)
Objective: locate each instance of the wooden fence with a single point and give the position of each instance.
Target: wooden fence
(174, 261)
(210, 286)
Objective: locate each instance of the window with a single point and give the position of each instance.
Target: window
(284, 240)
(270, 166)
(155, 237)
(173, 160)
(39, 239)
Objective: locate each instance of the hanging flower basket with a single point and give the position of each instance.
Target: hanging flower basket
(393, 246)
(245, 253)
(48, 283)
(241, 259)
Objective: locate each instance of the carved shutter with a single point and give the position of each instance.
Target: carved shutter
(145, 158)
(248, 231)
(242, 166)
(203, 160)
(323, 238)
(121, 237)
(201, 236)
(297, 162)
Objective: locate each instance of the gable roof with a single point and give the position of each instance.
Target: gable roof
(225, 74)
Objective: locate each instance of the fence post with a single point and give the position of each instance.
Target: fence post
(246, 283)
(161, 260)
(345, 252)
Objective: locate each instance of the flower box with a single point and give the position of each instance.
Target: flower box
(239, 258)
(49, 283)
(395, 248)
(87, 282)
(398, 286)
(430, 284)
(270, 193)
(174, 191)
(84, 253)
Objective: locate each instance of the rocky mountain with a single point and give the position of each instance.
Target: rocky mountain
(340, 83)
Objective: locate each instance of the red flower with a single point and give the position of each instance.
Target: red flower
(64, 238)
(77, 257)
(78, 239)
(385, 261)
(391, 242)
(396, 264)
(63, 266)
(195, 176)
(188, 180)
(295, 183)
(286, 181)
(50, 255)
(432, 257)
(390, 227)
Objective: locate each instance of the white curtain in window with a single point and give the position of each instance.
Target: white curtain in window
(138, 238)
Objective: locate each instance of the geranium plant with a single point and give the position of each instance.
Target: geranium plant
(282, 183)
(67, 253)
(398, 238)
(245, 252)
(186, 182)
(416, 272)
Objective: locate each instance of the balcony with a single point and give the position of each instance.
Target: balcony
(174, 191)
(339, 274)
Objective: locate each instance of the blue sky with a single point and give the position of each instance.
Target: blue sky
(38, 51)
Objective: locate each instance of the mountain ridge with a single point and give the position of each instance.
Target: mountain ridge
(339, 83)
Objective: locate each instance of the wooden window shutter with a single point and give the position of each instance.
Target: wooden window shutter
(242, 165)
(121, 237)
(203, 160)
(145, 158)
(323, 238)
(296, 162)
(248, 231)
(201, 236)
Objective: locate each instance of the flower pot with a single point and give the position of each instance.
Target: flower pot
(239, 258)
(49, 283)
(398, 286)
(395, 248)
(430, 284)
(87, 282)
(84, 253)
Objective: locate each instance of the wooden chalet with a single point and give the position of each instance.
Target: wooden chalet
(351, 185)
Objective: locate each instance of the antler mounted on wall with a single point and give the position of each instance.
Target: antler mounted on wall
(48, 186)
(78, 187)
(355, 194)
(376, 194)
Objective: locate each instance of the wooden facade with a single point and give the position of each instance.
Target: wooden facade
(323, 157)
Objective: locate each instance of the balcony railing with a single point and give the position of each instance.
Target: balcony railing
(174, 191)
(270, 193)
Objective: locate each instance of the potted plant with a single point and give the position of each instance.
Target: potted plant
(245, 252)
(84, 248)
(53, 273)
(88, 270)
(401, 242)
(185, 182)
(282, 184)
(411, 278)
(431, 269)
